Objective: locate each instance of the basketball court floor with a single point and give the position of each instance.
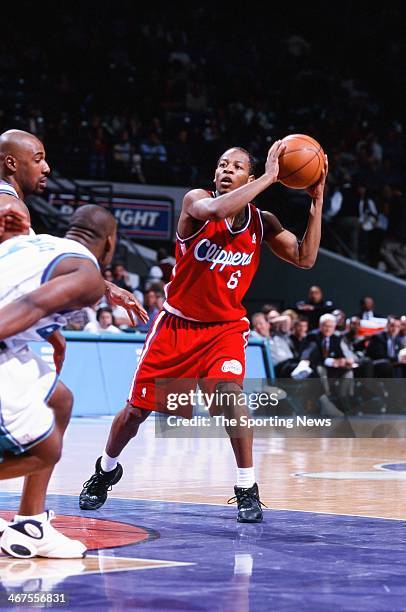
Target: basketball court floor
(334, 533)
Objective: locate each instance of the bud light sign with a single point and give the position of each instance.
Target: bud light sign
(142, 217)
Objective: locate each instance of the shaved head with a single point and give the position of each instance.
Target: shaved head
(22, 162)
(95, 220)
(14, 141)
(96, 228)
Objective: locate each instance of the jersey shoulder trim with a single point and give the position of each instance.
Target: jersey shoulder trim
(52, 264)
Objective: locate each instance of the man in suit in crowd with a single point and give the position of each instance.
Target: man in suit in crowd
(383, 349)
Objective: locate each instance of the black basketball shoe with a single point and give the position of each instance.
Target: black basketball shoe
(249, 504)
(94, 492)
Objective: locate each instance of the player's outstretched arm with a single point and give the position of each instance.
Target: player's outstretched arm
(197, 205)
(117, 296)
(76, 284)
(285, 244)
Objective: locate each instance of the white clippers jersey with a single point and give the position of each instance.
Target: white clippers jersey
(26, 262)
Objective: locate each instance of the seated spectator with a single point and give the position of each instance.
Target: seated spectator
(402, 332)
(166, 262)
(383, 349)
(104, 323)
(314, 307)
(289, 312)
(354, 347)
(261, 326)
(154, 158)
(367, 309)
(324, 353)
(341, 327)
(121, 277)
(298, 336)
(108, 275)
(155, 276)
(266, 308)
(151, 306)
(122, 155)
(282, 356)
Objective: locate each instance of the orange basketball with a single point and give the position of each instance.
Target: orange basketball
(301, 163)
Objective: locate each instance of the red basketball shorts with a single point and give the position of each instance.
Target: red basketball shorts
(184, 352)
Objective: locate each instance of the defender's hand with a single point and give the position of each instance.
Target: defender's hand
(120, 297)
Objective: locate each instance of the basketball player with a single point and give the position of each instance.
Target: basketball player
(41, 277)
(201, 333)
(24, 172)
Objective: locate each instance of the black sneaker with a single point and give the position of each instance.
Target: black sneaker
(249, 504)
(94, 492)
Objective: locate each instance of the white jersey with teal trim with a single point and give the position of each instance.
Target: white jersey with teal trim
(26, 262)
(7, 189)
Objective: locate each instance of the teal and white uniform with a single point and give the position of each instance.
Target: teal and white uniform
(26, 381)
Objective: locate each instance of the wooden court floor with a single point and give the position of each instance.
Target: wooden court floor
(340, 476)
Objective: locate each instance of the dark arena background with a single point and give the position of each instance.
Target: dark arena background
(134, 105)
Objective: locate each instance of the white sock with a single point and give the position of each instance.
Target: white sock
(34, 517)
(108, 463)
(245, 477)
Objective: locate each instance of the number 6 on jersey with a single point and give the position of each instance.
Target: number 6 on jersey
(233, 280)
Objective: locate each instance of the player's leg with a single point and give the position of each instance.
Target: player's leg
(159, 360)
(28, 429)
(226, 363)
(108, 470)
(42, 456)
(35, 485)
(126, 423)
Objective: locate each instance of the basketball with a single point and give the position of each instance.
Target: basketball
(301, 163)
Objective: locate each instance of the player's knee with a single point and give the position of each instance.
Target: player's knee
(228, 394)
(61, 401)
(134, 417)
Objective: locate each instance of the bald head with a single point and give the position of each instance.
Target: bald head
(94, 220)
(22, 162)
(14, 141)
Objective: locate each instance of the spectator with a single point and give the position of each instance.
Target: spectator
(154, 158)
(166, 262)
(104, 323)
(154, 277)
(108, 275)
(324, 353)
(315, 306)
(383, 349)
(151, 306)
(121, 277)
(282, 355)
(354, 346)
(367, 309)
(402, 332)
(341, 322)
(261, 326)
(298, 336)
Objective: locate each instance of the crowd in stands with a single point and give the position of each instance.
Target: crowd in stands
(159, 95)
(101, 318)
(314, 339)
